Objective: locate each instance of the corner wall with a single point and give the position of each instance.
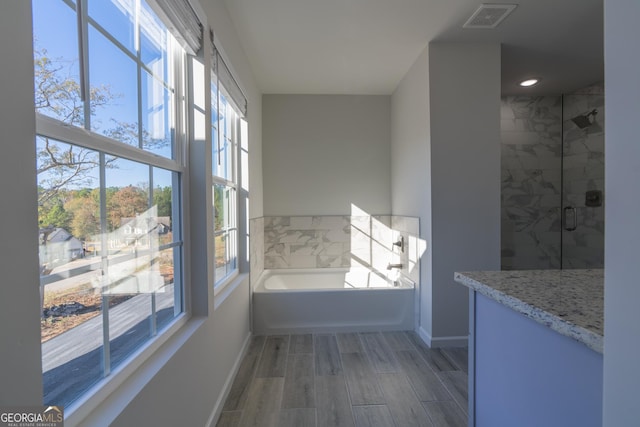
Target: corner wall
(622, 175)
(446, 170)
(410, 171)
(465, 174)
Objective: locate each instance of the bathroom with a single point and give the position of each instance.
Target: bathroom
(407, 166)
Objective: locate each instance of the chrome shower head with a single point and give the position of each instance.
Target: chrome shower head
(583, 120)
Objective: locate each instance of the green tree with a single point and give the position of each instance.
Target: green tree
(84, 207)
(55, 216)
(162, 199)
(126, 202)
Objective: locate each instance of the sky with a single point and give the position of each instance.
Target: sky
(55, 29)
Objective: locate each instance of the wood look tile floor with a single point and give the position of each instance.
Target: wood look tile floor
(386, 379)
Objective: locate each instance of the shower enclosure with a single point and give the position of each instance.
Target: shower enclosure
(553, 180)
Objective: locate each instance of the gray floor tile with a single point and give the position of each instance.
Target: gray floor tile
(424, 381)
(332, 402)
(301, 344)
(433, 357)
(402, 402)
(372, 416)
(274, 357)
(330, 381)
(240, 388)
(299, 390)
(361, 380)
(459, 356)
(327, 356)
(349, 343)
(379, 352)
(445, 414)
(300, 417)
(397, 340)
(263, 404)
(457, 384)
(229, 419)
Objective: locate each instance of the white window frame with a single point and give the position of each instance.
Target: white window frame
(232, 249)
(49, 127)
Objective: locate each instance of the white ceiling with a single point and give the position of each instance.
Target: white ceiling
(367, 46)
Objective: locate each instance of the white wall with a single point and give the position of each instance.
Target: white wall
(446, 170)
(410, 171)
(465, 174)
(20, 357)
(323, 153)
(622, 237)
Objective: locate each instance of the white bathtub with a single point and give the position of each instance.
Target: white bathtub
(331, 300)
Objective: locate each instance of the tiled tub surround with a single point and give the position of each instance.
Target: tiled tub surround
(342, 241)
(570, 302)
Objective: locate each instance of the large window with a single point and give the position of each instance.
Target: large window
(109, 89)
(226, 135)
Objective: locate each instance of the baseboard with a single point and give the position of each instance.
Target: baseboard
(217, 409)
(438, 342)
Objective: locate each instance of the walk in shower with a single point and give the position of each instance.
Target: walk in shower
(552, 177)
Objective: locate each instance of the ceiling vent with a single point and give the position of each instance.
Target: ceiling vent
(489, 15)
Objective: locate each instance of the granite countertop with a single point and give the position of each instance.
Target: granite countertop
(571, 302)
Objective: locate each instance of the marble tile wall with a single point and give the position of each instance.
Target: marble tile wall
(531, 160)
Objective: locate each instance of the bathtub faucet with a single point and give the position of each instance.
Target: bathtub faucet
(390, 266)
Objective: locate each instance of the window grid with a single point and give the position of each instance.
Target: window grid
(104, 149)
(226, 132)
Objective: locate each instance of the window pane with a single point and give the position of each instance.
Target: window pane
(118, 18)
(114, 90)
(167, 306)
(224, 230)
(221, 258)
(222, 151)
(153, 43)
(169, 296)
(157, 126)
(70, 266)
(57, 87)
(131, 275)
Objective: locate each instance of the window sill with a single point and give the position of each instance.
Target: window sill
(226, 288)
(102, 404)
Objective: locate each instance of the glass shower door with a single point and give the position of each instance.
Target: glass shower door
(582, 236)
(552, 183)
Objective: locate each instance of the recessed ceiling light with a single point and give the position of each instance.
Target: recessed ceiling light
(529, 82)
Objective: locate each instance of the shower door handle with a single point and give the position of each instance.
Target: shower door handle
(570, 218)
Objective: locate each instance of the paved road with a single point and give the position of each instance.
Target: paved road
(81, 271)
(72, 361)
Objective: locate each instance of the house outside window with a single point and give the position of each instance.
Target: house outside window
(109, 96)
